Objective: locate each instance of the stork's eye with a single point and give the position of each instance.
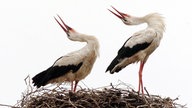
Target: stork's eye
(124, 19)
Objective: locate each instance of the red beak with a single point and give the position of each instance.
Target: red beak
(65, 27)
(121, 15)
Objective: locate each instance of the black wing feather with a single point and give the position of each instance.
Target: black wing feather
(126, 52)
(53, 72)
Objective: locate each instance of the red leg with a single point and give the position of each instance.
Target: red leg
(140, 78)
(76, 82)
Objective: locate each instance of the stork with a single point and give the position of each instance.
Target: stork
(140, 45)
(74, 66)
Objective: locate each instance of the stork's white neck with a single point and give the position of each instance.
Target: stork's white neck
(155, 21)
(92, 42)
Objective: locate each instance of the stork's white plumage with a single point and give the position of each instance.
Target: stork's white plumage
(140, 45)
(74, 66)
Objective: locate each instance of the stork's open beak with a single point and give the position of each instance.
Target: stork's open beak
(65, 27)
(121, 15)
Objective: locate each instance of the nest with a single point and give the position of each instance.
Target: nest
(112, 96)
(108, 97)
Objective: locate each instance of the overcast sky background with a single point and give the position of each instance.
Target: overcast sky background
(31, 40)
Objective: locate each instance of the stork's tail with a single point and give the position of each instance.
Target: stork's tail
(40, 79)
(112, 67)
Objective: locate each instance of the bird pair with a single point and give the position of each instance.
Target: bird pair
(76, 65)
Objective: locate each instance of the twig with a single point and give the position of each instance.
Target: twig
(146, 91)
(9, 106)
(142, 106)
(84, 84)
(95, 102)
(111, 85)
(29, 83)
(72, 103)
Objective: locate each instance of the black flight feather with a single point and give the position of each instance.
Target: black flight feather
(53, 72)
(126, 52)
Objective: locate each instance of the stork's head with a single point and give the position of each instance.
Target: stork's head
(68, 30)
(127, 19)
(71, 33)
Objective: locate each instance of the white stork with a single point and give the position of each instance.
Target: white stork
(74, 66)
(140, 45)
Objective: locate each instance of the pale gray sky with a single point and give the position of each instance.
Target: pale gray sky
(31, 40)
